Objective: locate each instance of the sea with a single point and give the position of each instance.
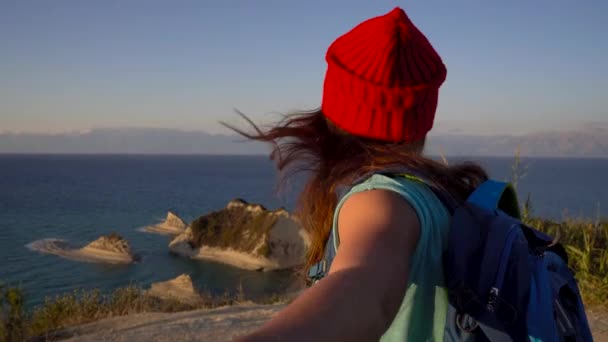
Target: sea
(77, 198)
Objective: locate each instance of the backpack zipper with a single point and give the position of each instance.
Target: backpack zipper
(502, 268)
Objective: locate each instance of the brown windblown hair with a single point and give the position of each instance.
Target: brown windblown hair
(308, 142)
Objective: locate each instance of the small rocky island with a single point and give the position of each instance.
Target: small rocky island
(245, 235)
(172, 225)
(181, 289)
(111, 248)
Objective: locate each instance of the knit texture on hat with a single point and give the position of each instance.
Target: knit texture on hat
(383, 79)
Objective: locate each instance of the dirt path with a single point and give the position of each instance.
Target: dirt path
(219, 325)
(598, 320)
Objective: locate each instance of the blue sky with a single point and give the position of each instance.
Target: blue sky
(513, 66)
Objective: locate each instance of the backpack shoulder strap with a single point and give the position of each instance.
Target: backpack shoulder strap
(444, 197)
(493, 195)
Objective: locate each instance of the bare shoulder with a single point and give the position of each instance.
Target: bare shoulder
(376, 227)
(385, 208)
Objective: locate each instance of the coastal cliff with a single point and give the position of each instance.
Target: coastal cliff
(245, 235)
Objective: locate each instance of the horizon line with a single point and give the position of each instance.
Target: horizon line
(119, 154)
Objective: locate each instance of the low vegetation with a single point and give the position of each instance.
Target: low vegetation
(46, 321)
(586, 244)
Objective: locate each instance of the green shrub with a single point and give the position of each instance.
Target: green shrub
(586, 244)
(13, 317)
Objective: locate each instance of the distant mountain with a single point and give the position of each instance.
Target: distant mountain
(129, 141)
(585, 142)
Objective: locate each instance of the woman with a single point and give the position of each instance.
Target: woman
(388, 231)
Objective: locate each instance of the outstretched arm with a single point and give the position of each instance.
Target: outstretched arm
(360, 297)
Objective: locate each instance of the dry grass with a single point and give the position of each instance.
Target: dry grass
(586, 244)
(79, 307)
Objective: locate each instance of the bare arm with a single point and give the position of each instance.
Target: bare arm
(359, 298)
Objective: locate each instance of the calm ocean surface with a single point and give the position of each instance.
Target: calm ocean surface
(79, 198)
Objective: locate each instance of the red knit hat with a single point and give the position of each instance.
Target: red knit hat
(383, 79)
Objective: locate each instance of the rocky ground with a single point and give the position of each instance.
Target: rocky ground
(598, 319)
(221, 324)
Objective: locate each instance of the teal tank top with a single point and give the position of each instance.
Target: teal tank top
(422, 314)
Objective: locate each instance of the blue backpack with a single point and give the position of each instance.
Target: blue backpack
(506, 281)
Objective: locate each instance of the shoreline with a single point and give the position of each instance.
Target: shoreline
(239, 259)
(161, 229)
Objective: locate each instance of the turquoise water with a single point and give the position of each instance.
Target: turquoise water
(79, 198)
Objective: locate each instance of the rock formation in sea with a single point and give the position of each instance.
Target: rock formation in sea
(172, 225)
(111, 247)
(245, 235)
(181, 289)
